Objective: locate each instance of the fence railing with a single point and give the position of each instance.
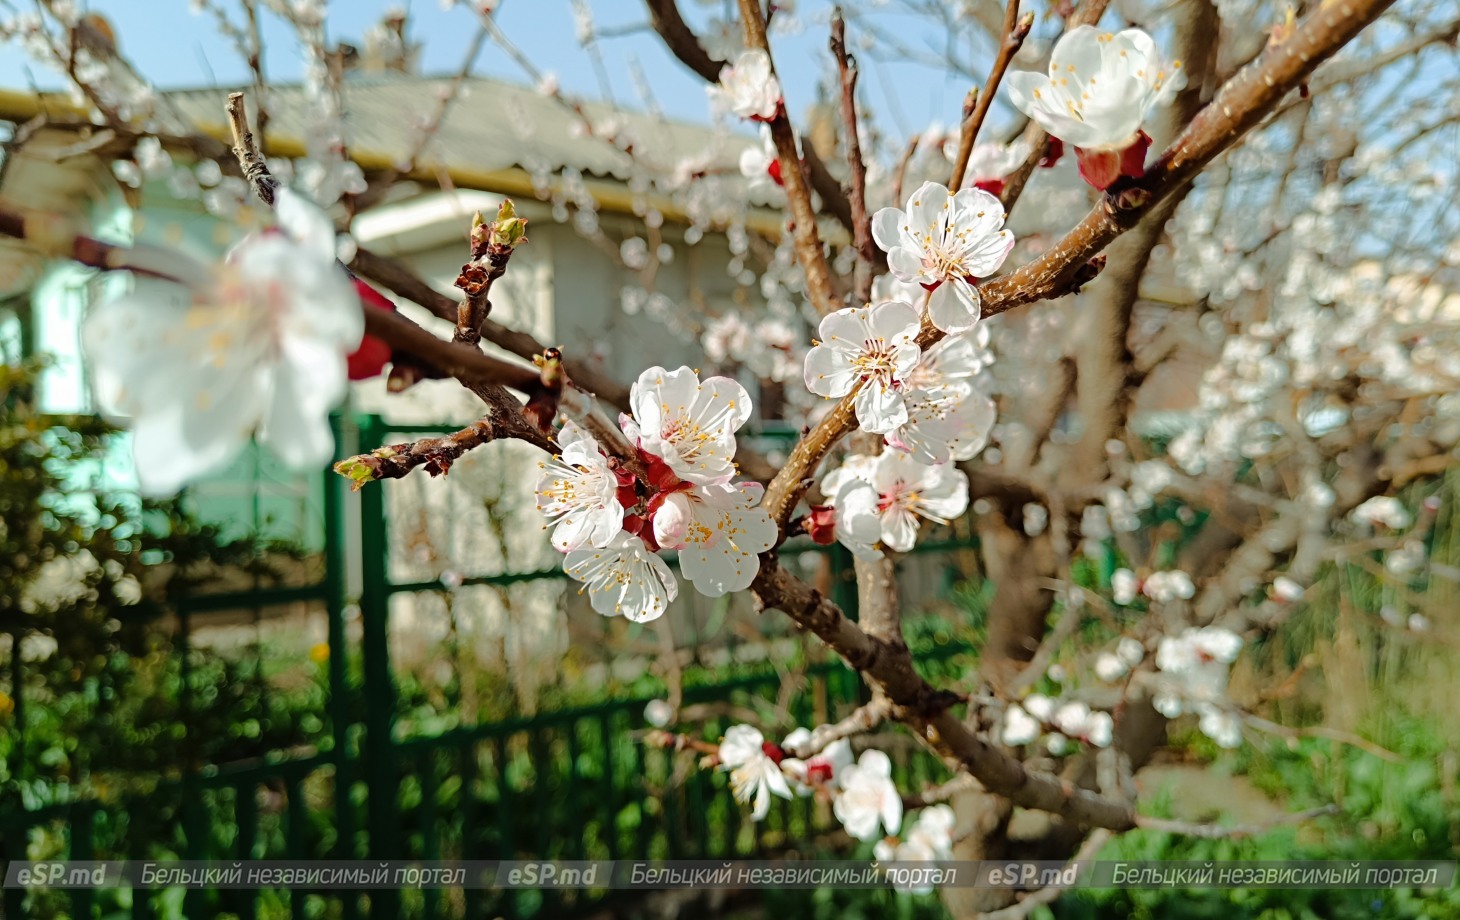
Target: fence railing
(575, 784)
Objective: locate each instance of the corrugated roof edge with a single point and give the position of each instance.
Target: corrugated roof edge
(612, 196)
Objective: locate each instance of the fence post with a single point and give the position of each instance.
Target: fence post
(381, 776)
(336, 549)
(18, 765)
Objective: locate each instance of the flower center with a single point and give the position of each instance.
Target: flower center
(900, 496)
(876, 359)
(945, 262)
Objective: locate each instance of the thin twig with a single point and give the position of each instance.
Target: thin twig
(435, 455)
(809, 250)
(250, 159)
(404, 282)
(1069, 621)
(1016, 29)
(956, 786)
(1323, 731)
(857, 168)
(489, 258)
(429, 130)
(56, 237)
(862, 720)
(900, 176)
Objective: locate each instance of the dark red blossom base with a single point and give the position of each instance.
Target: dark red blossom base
(1100, 168)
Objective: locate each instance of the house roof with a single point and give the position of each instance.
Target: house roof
(492, 125)
(496, 137)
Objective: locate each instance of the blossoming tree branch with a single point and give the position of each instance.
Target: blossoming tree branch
(934, 356)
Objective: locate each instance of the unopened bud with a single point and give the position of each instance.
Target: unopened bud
(508, 230)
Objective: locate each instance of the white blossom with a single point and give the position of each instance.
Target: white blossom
(988, 163)
(905, 490)
(1194, 668)
(1099, 89)
(1164, 587)
(720, 530)
(1019, 727)
(1285, 589)
(1077, 720)
(890, 287)
(930, 839)
(624, 578)
(1112, 666)
(754, 774)
(868, 798)
(577, 492)
(858, 524)
(1381, 509)
(1221, 726)
(948, 417)
(1197, 647)
(688, 424)
(760, 164)
(934, 829)
(945, 243)
(1408, 558)
(747, 87)
(259, 347)
(1124, 586)
(767, 348)
(728, 338)
(658, 713)
(874, 347)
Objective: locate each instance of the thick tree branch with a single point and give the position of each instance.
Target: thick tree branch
(1043, 897)
(400, 280)
(889, 670)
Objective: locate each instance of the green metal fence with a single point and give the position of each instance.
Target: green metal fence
(575, 783)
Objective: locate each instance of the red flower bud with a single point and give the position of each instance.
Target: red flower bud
(994, 187)
(818, 772)
(370, 358)
(1054, 152)
(1133, 158)
(772, 751)
(820, 524)
(1101, 168)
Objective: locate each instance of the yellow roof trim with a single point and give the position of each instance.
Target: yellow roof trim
(611, 196)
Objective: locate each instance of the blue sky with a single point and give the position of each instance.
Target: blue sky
(177, 48)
